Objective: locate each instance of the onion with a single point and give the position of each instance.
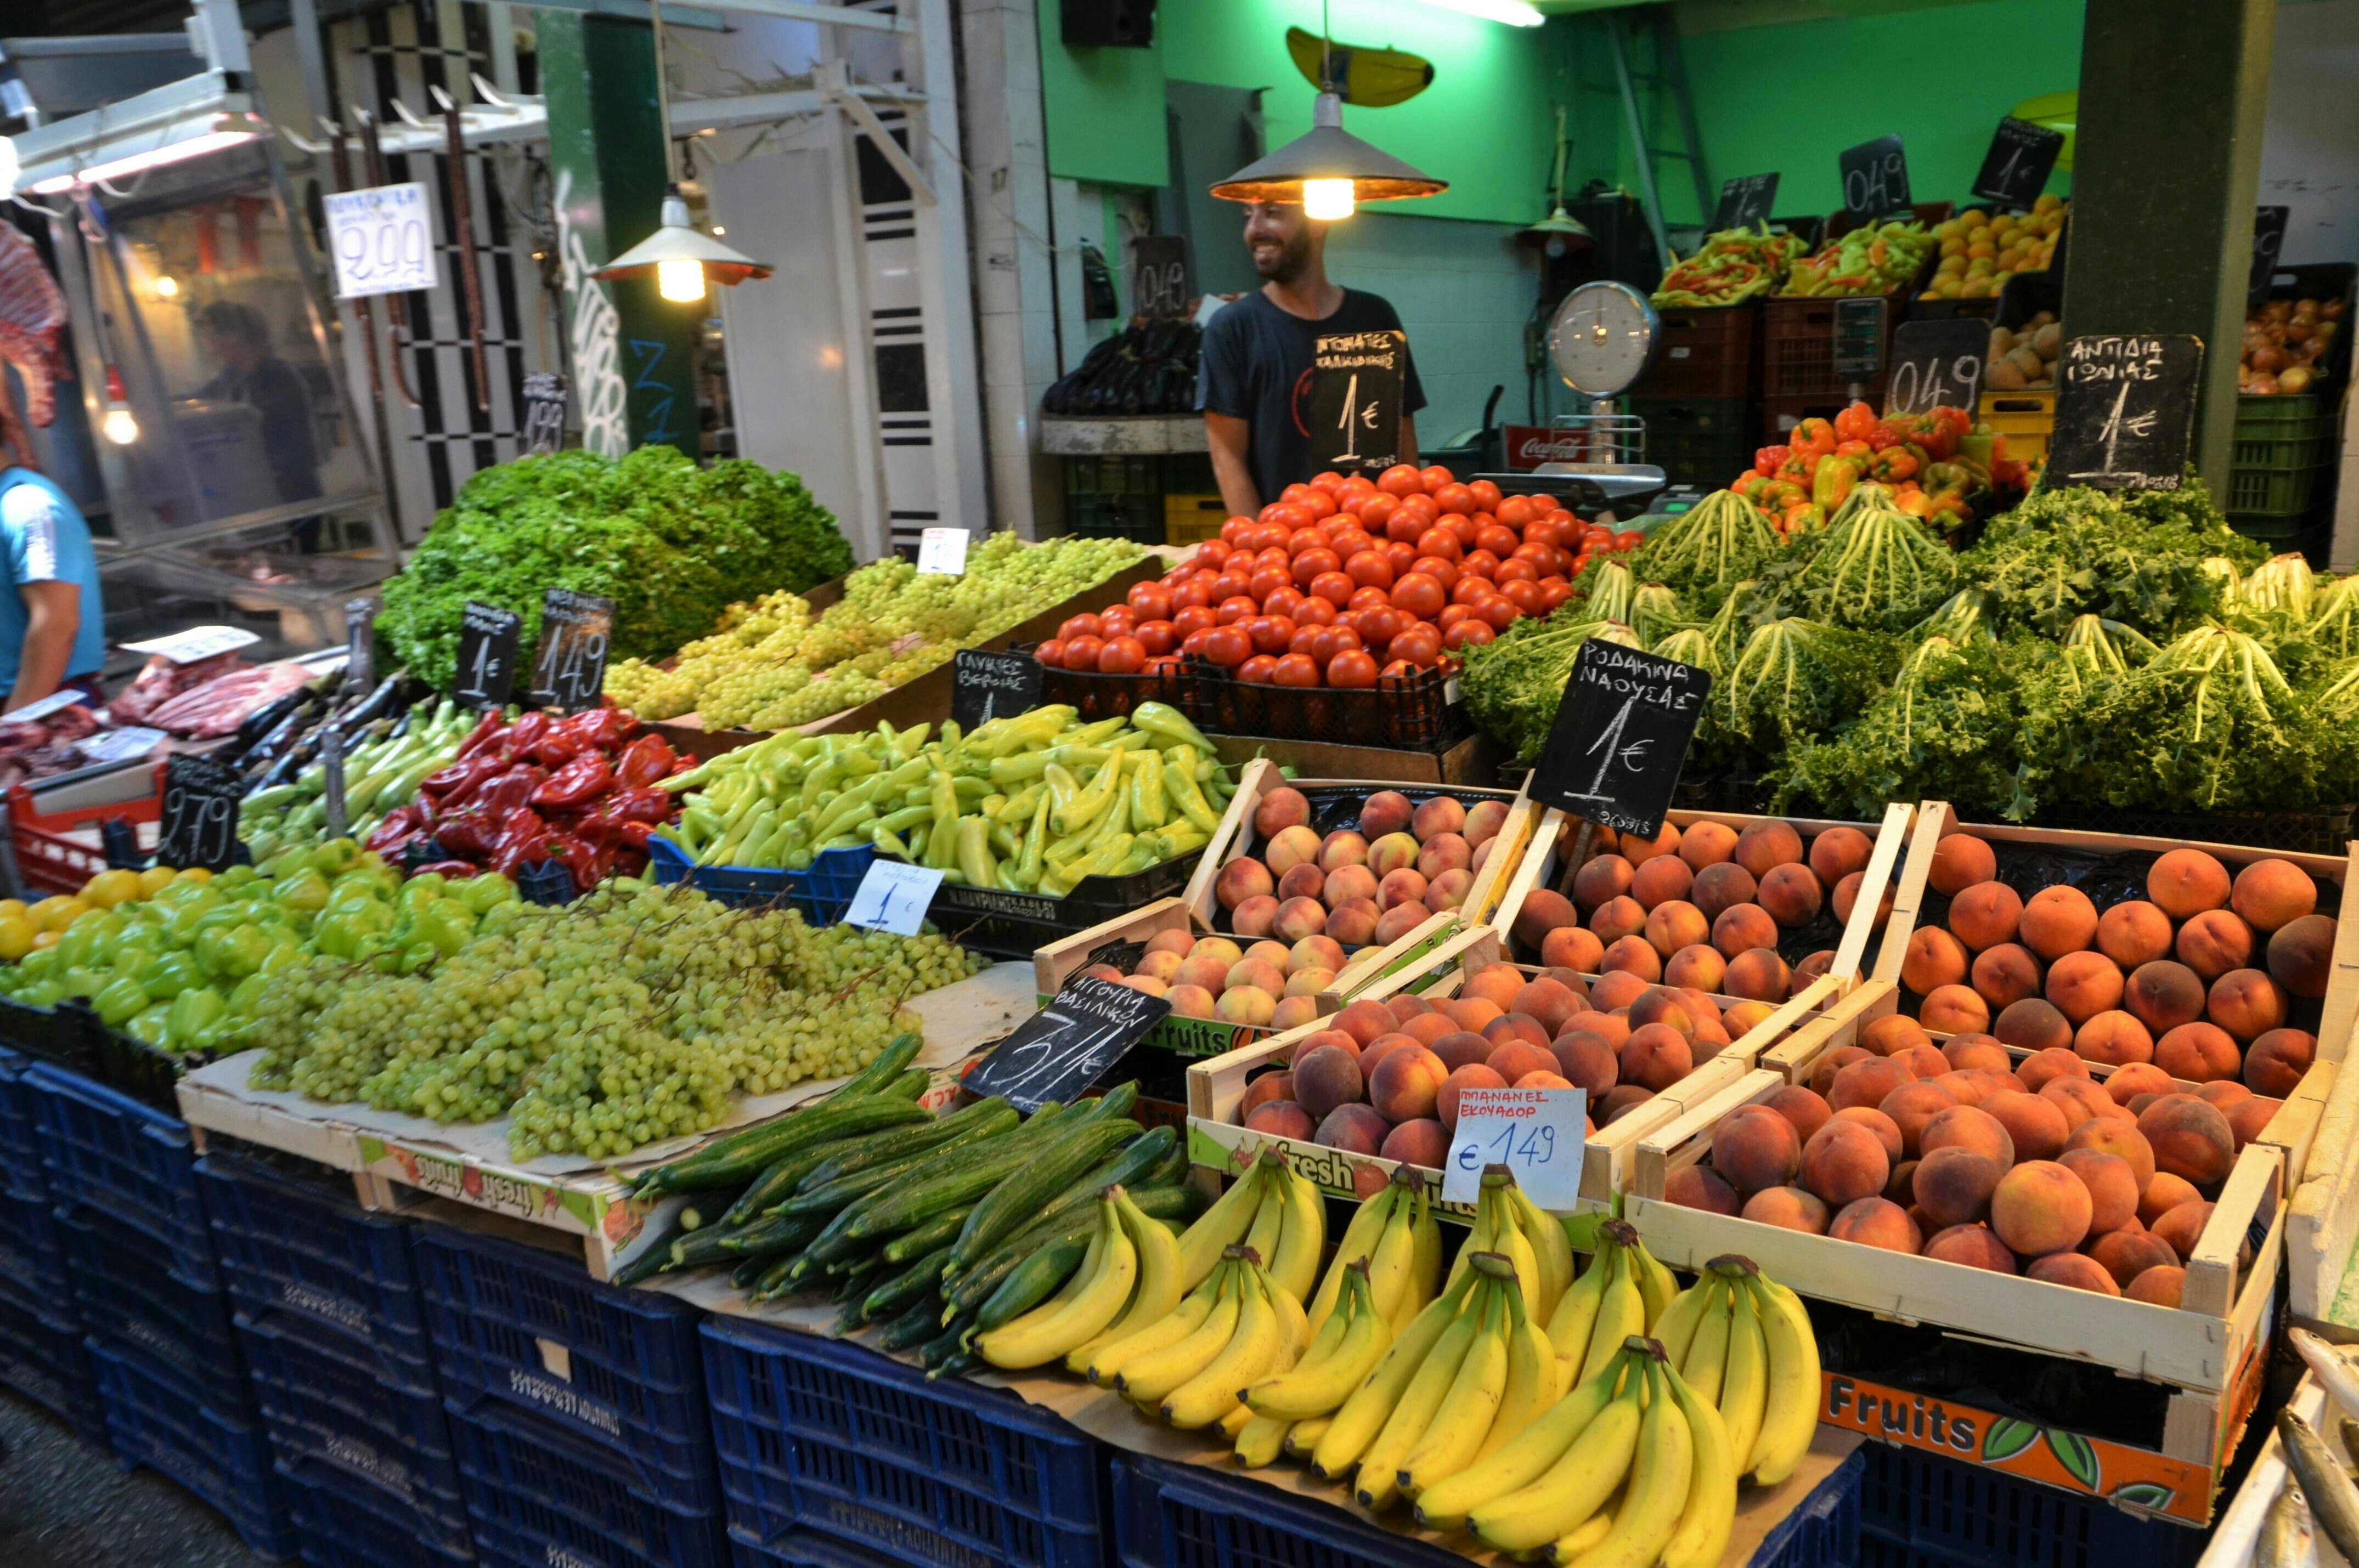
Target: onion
(2262, 386)
(2268, 359)
(2296, 379)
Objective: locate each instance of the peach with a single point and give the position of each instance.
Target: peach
(1176, 943)
(1808, 1111)
(1448, 855)
(1340, 848)
(1431, 818)
(1791, 895)
(1911, 1106)
(1145, 984)
(1754, 1148)
(1877, 1222)
(2185, 882)
(1842, 1163)
(1314, 953)
(2302, 955)
(1619, 1099)
(1840, 852)
(1363, 1021)
(2248, 1118)
(2182, 1228)
(2213, 943)
(2084, 984)
(1161, 964)
(1281, 1119)
(1660, 880)
(2072, 1269)
(2134, 1078)
(1823, 1074)
(1846, 898)
(1788, 1208)
(1407, 1005)
(2246, 1003)
(2040, 1206)
(1246, 1004)
(1741, 1018)
(1424, 1142)
(1675, 923)
(1698, 966)
(1656, 1057)
(1893, 1032)
(2134, 932)
(1968, 1127)
(1901, 1188)
(1459, 1047)
(1550, 1001)
(1587, 1062)
(1392, 852)
(1191, 1000)
(1242, 879)
(1355, 1128)
(1700, 1186)
(1954, 1186)
(1473, 1012)
(1210, 970)
(2032, 1024)
(1611, 1027)
(2040, 1067)
(1721, 886)
(1616, 989)
(1668, 1004)
(2036, 1127)
(1572, 947)
(1955, 1010)
(1617, 918)
(2225, 1093)
(2112, 1187)
(2112, 1135)
(2162, 1192)
(1259, 972)
(1325, 1078)
(1304, 881)
(1887, 1130)
(1758, 974)
(2270, 893)
(1633, 955)
(1976, 1051)
(1256, 916)
(1934, 958)
(2079, 1099)
(1971, 1245)
(1268, 1086)
(1281, 808)
(1960, 861)
(1515, 1059)
(1345, 884)
(2158, 1287)
(1274, 953)
(2277, 1060)
(1601, 881)
(2126, 1253)
(1294, 1011)
(2005, 975)
(1813, 967)
(1484, 820)
(1922, 1062)
(2113, 1038)
(1768, 843)
(1291, 850)
(1387, 811)
(1384, 1045)
(1866, 1083)
(2058, 920)
(1985, 915)
(1403, 1086)
(2191, 1140)
(2198, 1052)
(1398, 921)
(1742, 927)
(1401, 885)
(1707, 843)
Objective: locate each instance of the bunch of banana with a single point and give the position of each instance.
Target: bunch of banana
(1625, 1291)
(1129, 1276)
(1743, 1342)
(1189, 1366)
(1395, 1235)
(1341, 1353)
(1507, 1221)
(1271, 1209)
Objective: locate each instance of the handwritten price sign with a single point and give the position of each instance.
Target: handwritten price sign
(382, 240)
(1535, 1133)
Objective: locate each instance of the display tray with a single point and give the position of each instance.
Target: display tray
(1471, 762)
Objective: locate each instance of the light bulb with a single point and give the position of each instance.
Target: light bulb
(119, 425)
(681, 279)
(168, 287)
(1328, 198)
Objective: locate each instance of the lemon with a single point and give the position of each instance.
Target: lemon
(193, 874)
(111, 887)
(16, 936)
(13, 906)
(155, 880)
(46, 938)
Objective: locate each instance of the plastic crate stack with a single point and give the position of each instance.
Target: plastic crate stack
(576, 1410)
(834, 1454)
(1919, 1511)
(41, 1336)
(155, 1320)
(329, 1314)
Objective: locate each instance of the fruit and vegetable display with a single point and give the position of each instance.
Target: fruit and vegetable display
(1345, 582)
(1732, 267)
(2025, 356)
(1980, 251)
(772, 664)
(1148, 367)
(2284, 341)
(1874, 258)
(384, 760)
(1394, 867)
(1932, 466)
(1030, 803)
(671, 543)
(1267, 985)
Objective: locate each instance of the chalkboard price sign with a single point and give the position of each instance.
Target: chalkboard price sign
(1069, 1044)
(1937, 364)
(575, 631)
(488, 637)
(1620, 736)
(1355, 400)
(199, 816)
(2125, 411)
(2268, 244)
(1744, 201)
(1874, 177)
(985, 687)
(1859, 338)
(544, 412)
(2016, 169)
(1158, 275)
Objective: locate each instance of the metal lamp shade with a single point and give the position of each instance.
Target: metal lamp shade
(1327, 152)
(675, 241)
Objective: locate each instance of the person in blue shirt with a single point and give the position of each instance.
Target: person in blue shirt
(52, 629)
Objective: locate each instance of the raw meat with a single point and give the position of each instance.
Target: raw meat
(219, 707)
(159, 680)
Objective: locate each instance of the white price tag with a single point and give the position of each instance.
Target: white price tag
(1535, 1133)
(894, 896)
(197, 642)
(117, 745)
(942, 550)
(56, 702)
(382, 240)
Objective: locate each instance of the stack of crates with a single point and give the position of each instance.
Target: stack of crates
(576, 1410)
(330, 1317)
(41, 1337)
(2283, 443)
(1140, 496)
(155, 1319)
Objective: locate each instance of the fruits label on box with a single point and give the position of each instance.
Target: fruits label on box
(1232, 1150)
(502, 1192)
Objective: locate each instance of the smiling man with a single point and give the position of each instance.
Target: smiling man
(1253, 381)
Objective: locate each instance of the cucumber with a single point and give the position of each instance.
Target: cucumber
(742, 1156)
(769, 1235)
(857, 1282)
(1035, 1279)
(653, 1258)
(830, 1196)
(945, 1345)
(953, 1178)
(971, 1287)
(898, 1053)
(914, 1325)
(778, 1183)
(957, 1364)
(936, 1232)
(1134, 1164)
(699, 1247)
(881, 1148)
(899, 1290)
(1019, 1199)
(773, 1281)
(910, 1085)
(745, 1275)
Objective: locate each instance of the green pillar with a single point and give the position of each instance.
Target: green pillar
(2166, 167)
(630, 352)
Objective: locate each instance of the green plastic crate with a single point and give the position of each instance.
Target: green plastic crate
(2282, 445)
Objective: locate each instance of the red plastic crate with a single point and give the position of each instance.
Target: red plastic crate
(1711, 352)
(56, 851)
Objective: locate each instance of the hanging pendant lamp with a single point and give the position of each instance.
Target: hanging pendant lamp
(1328, 171)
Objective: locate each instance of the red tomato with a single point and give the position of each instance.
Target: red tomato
(1178, 575)
(1454, 497)
(1596, 534)
(1419, 595)
(1368, 599)
(1303, 539)
(1230, 585)
(1152, 600)
(1316, 612)
(1376, 509)
(1629, 539)
(1525, 595)
(1516, 571)
(1261, 669)
(1369, 568)
(1334, 588)
(1479, 563)
(1284, 514)
(1421, 502)
(1400, 479)
(1350, 541)
(1329, 482)
(1417, 644)
(1319, 503)
(1486, 495)
(1396, 673)
(1452, 617)
(1331, 641)
(1233, 529)
(1304, 636)
(1462, 525)
(1298, 668)
(1051, 654)
(1439, 542)
(1269, 581)
(1191, 618)
(1227, 646)
(1554, 592)
(1122, 656)
(1196, 590)
(1580, 565)
(1082, 652)
(1293, 494)
(1270, 633)
(1405, 526)
(1500, 542)
(1499, 610)
(1470, 632)
(1211, 553)
(1472, 590)
(1402, 555)
(1274, 555)
(1539, 555)
(1161, 663)
(1353, 670)
(1236, 607)
(1433, 476)
(1194, 643)
(1379, 624)
(1285, 601)
(1079, 626)
(1513, 511)
(1442, 569)
(1157, 637)
(1311, 565)
(1264, 536)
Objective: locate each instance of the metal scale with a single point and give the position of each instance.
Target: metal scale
(1603, 338)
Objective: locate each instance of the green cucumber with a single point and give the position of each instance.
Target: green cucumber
(653, 1258)
(957, 1364)
(744, 1276)
(1135, 1164)
(905, 1207)
(898, 1053)
(945, 1345)
(1035, 1279)
(742, 1156)
(830, 1196)
(779, 1182)
(1019, 1199)
(699, 1247)
(937, 1231)
(910, 1085)
(971, 1288)
(773, 1282)
(769, 1235)
(954, 1176)
(899, 1290)
(914, 1326)
(852, 1158)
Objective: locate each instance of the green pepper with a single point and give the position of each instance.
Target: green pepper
(481, 892)
(306, 891)
(151, 1024)
(170, 974)
(247, 991)
(119, 1002)
(233, 952)
(191, 1011)
(447, 923)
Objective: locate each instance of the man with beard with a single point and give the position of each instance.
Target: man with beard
(1254, 380)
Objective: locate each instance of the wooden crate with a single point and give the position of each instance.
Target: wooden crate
(2325, 1211)
(1055, 964)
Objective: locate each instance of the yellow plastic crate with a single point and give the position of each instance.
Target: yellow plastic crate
(2026, 418)
(1193, 519)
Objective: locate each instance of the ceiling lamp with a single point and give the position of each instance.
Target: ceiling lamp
(118, 424)
(1329, 172)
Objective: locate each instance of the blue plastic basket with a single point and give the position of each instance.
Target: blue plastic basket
(43, 1358)
(816, 1433)
(806, 1548)
(546, 882)
(301, 1258)
(326, 1414)
(106, 1148)
(822, 892)
(33, 1267)
(516, 1326)
(1824, 1530)
(532, 1486)
(152, 1421)
(20, 1128)
(129, 1296)
(1919, 1511)
(341, 1524)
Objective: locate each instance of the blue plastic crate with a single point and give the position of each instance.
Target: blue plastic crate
(43, 1358)
(33, 1267)
(20, 1128)
(514, 1325)
(816, 1433)
(534, 1488)
(341, 1524)
(106, 1148)
(824, 893)
(325, 1413)
(129, 1295)
(302, 1258)
(152, 1421)
(805, 1549)
(546, 882)
(1824, 1531)
(1919, 1511)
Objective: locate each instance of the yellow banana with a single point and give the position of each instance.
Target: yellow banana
(1156, 1295)
(1507, 1238)
(1468, 1407)
(1675, 1329)
(1049, 1332)
(1656, 1284)
(1177, 1325)
(1531, 1381)
(1362, 1419)
(1261, 1440)
(1425, 1270)
(1319, 1347)
(1620, 1315)
(1368, 1225)
(1525, 1458)
(1269, 1216)
(1659, 1488)
(1379, 1476)
(1711, 1515)
(1577, 1485)
(1570, 1326)
(1302, 1437)
(1223, 1225)
(1478, 1237)
(1369, 78)
(1745, 1388)
(1791, 1417)
(1392, 1266)
(1301, 1237)
(1294, 1330)
(1147, 1379)
(1551, 1246)
(1260, 1336)
(1233, 1425)
(1355, 1339)
(1705, 1365)
(1590, 1534)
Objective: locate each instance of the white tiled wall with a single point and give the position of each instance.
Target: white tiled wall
(1463, 290)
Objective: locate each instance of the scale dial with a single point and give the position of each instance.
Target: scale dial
(1604, 336)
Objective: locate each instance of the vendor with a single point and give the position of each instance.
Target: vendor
(1253, 382)
(237, 337)
(52, 629)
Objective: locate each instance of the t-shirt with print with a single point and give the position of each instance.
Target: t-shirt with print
(47, 541)
(1255, 365)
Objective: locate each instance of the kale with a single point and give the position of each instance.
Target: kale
(1944, 730)
(2152, 559)
(1515, 682)
(1707, 550)
(1794, 680)
(1873, 568)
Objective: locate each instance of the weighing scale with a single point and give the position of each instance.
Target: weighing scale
(1603, 338)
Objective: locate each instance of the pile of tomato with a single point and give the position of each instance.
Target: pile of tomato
(1347, 582)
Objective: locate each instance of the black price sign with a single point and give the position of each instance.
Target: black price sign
(575, 629)
(2268, 244)
(1938, 365)
(1874, 177)
(332, 774)
(985, 687)
(1355, 417)
(2124, 411)
(360, 642)
(544, 412)
(1158, 275)
(488, 637)
(1859, 338)
(2016, 169)
(199, 825)
(1621, 736)
(1744, 201)
(1067, 1045)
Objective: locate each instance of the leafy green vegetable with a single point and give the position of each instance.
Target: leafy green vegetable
(671, 543)
(1942, 730)
(2146, 559)
(1656, 610)
(1796, 679)
(1605, 592)
(1514, 684)
(1707, 550)
(2334, 622)
(1873, 568)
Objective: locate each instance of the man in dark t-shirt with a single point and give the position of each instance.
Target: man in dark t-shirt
(1254, 380)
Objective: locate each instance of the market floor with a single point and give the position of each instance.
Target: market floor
(64, 1504)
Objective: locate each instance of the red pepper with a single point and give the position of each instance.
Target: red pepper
(1814, 437)
(634, 835)
(454, 784)
(1892, 465)
(1798, 467)
(585, 864)
(1887, 433)
(1851, 449)
(1855, 422)
(1768, 459)
(471, 834)
(510, 790)
(684, 763)
(523, 735)
(446, 868)
(558, 746)
(487, 730)
(523, 837)
(643, 762)
(401, 825)
(630, 862)
(576, 784)
(604, 727)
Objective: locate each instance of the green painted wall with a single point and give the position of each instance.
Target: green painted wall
(1103, 108)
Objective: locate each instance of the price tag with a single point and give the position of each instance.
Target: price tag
(331, 767)
(1069, 1044)
(1620, 736)
(360, 642)
(1158, 275)
(120, 745)
(1875, 178)
(199, 825)
(2016, 169)
(1938, 365)
(942, 550)
(544, 412)
(382, 240)
(2269, 243)
(1744, 201)
(992, 686)
(575, 631)
(488, 636)
(1859, 338)
(2125, 411)
(1355, 400)
(1535, 1133)
(894, 896)
(196, 642)
(56, 702)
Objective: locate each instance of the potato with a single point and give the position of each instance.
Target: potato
(2024, 359)
(2003, 375)
(2048, 340)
